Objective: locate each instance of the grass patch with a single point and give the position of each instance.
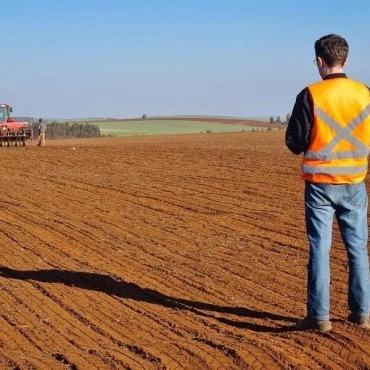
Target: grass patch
(165, 127)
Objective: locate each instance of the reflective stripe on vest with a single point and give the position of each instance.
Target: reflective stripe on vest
(362, 150)
(350, 170)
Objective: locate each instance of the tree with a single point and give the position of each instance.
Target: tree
(278, 119)
(272, 120)
(287, 118)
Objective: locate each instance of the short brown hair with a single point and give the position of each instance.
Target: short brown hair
(333, 49)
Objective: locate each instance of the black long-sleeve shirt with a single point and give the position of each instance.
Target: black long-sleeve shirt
(297, 137)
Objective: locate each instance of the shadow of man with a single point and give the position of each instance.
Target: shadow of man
(115, 286)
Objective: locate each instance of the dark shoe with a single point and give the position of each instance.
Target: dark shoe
(312, 324)
(362, 321)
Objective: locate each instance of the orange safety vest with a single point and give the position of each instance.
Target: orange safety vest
(340, 135)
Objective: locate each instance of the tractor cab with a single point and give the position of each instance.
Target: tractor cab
(5, 111)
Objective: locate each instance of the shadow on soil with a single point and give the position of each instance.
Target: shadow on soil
(119, 288)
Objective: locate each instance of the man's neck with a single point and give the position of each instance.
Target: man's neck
(329, 71)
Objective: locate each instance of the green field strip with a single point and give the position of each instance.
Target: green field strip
(167, 127)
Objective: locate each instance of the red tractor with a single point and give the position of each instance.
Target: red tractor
(11, 131)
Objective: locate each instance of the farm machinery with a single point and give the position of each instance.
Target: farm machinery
(12, 131)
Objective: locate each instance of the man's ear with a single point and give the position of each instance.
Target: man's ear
(345, 63)
(320, 62)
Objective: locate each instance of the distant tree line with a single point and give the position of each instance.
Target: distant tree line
(24, 119)
(279, 120)
(56, 130)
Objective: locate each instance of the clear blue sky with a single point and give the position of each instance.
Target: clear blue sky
(124, 58)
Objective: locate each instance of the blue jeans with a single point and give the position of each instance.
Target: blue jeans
(349, 203)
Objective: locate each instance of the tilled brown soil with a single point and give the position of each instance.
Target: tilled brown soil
(175, 252)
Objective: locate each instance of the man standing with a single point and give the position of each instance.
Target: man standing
(330, 124)
(42, 131)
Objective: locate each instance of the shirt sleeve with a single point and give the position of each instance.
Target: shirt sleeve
(297, 135)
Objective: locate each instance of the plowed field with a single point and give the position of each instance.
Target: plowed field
(175, 252)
